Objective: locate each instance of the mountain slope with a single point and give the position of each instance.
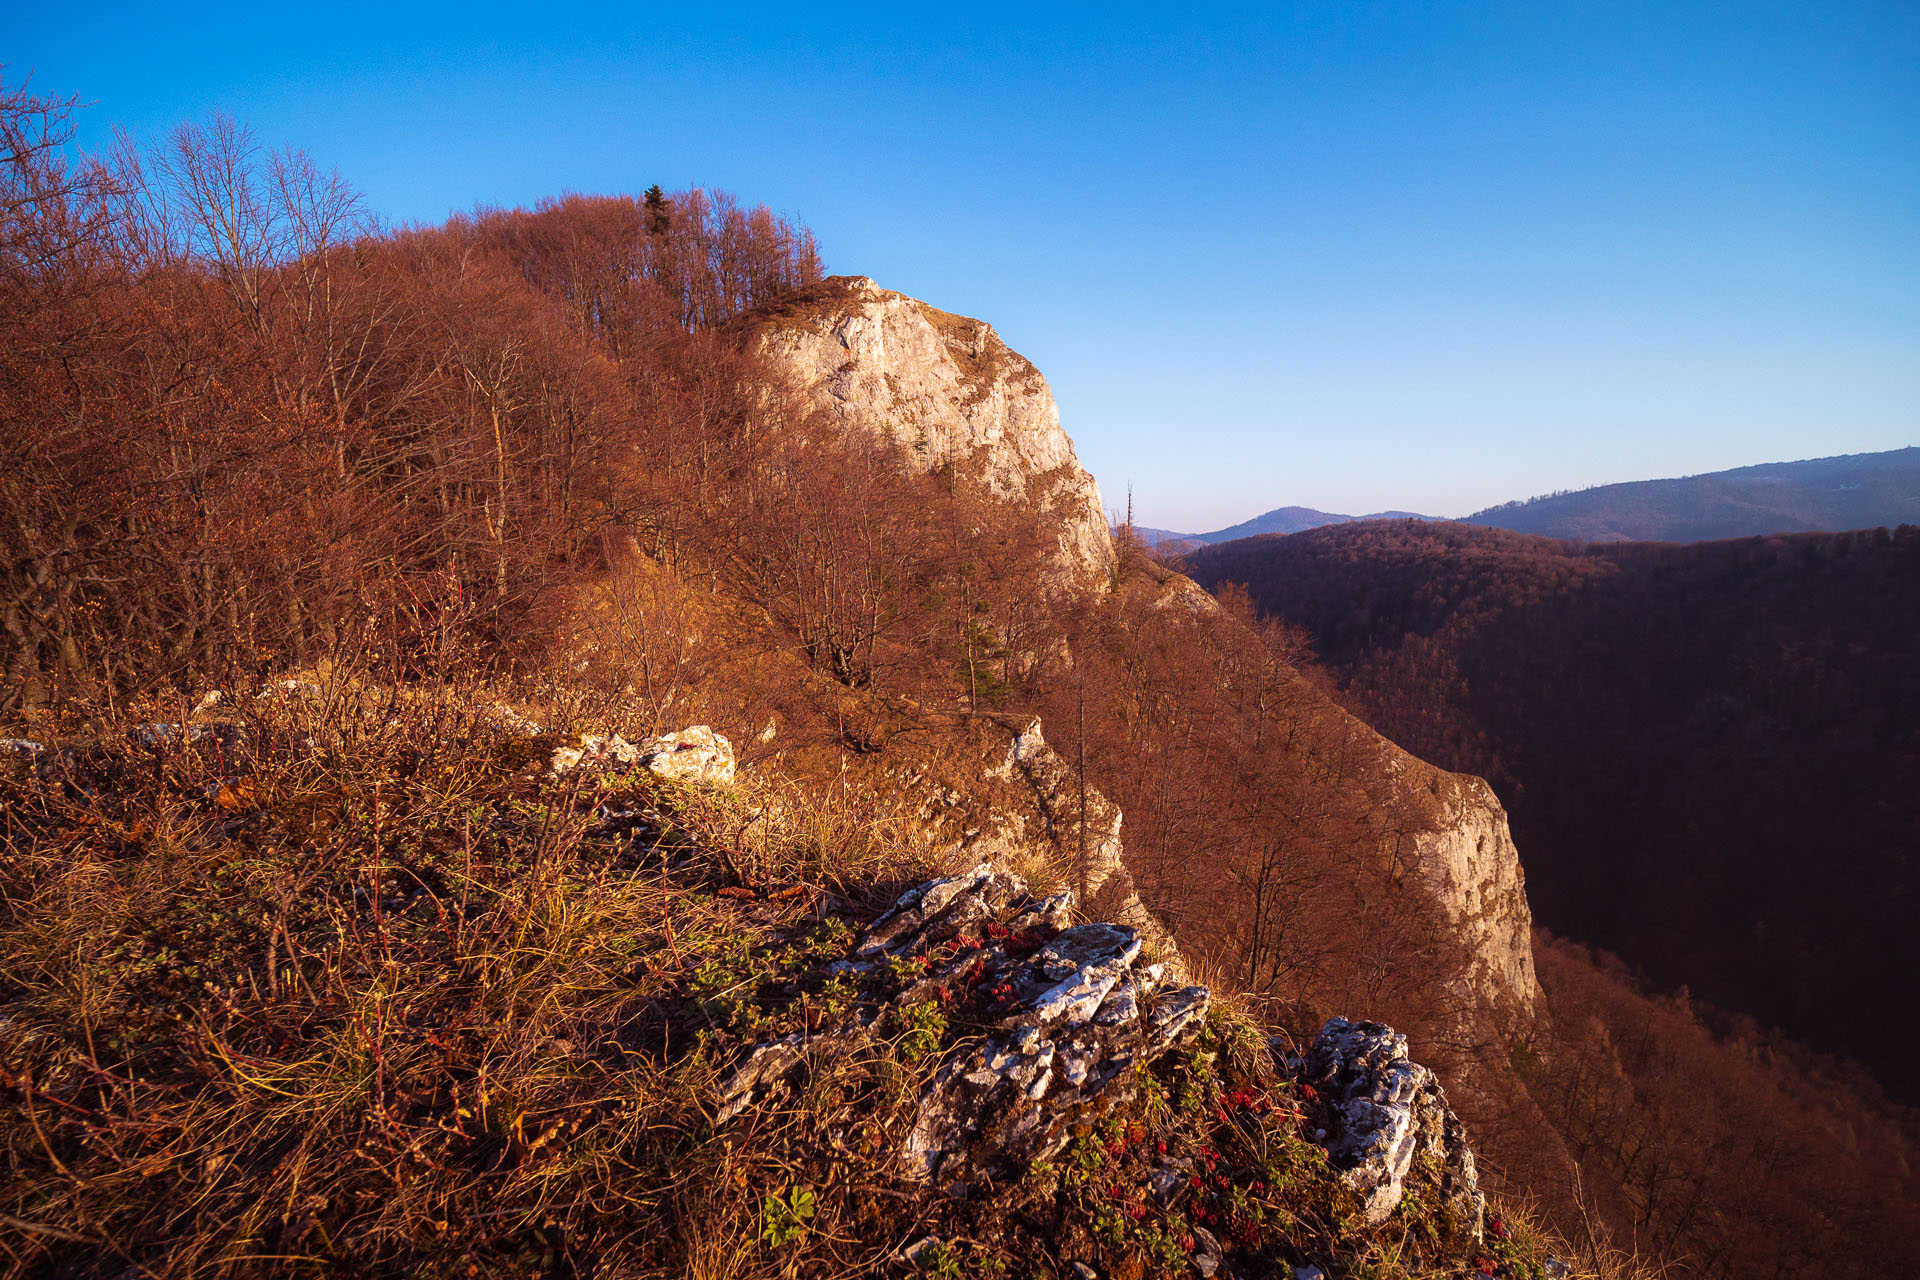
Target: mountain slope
(347, 974)
(1851, 491)
(1709, 751)
(953, 396)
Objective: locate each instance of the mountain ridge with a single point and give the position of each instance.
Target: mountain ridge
(1708, 711)
(1809, 495)
(491, 510)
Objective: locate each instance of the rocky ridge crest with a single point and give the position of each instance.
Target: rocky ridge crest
(949, 391)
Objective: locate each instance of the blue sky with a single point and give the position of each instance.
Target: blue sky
(1349, 256)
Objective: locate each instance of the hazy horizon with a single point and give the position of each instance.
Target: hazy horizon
(1345, 259)
(1118, 511)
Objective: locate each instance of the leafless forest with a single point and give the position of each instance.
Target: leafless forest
(245, 429)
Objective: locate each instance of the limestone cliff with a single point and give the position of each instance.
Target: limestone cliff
(949, 391)
(1450, 834)
(1464, 856)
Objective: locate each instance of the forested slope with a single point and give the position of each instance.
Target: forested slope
(1851, 491)
(1711, 753)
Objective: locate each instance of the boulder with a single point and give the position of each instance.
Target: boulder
(1080, 1015)
(1387, 1115)
(697, 755)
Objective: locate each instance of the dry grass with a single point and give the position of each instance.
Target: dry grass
(364, 991)
(373, 991)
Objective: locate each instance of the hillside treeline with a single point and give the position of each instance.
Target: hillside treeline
(1709, 757)
(239, 413)
(250, 430)
(1853, 491)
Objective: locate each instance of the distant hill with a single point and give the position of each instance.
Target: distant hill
(1161, 537)
(1278, 520)
(1294, 520)
(1853, 491)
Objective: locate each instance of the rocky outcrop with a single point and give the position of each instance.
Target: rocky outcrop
(1060, 1022)
(1068, 1011)
(949, 391)
(1387, 1115)
(697, 755)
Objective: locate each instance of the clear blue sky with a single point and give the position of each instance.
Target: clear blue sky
(1347, 256)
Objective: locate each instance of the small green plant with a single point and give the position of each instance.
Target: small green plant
(836, 995)
(923, 1024)
(783, 1219)
(1163, 1245)
(939, 1261)
(1086, 1156)
(1153, 1095)
(1193, 1083)
(906, 969)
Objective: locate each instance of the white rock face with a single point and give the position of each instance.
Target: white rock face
(1448, 829)
(948, 390)
(697, 754)
(1471, 868)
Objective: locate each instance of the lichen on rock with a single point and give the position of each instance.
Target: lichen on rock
(1387, 1115)
(1062, 1014)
